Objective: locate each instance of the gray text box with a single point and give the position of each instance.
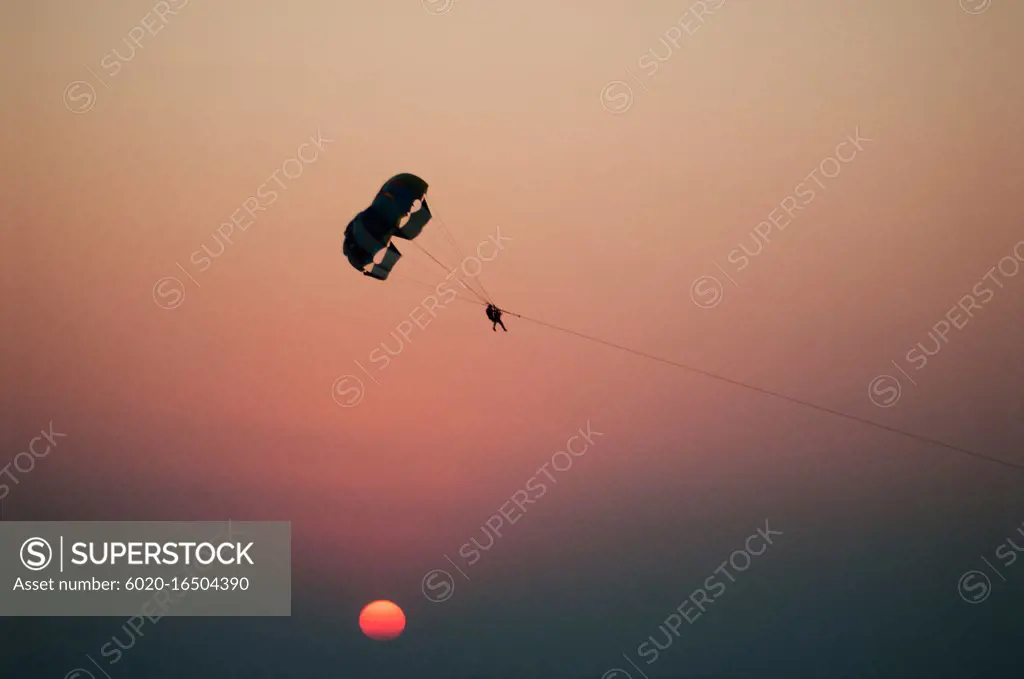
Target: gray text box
(145, 568)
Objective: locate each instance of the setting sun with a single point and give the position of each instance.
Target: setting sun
(382, 620)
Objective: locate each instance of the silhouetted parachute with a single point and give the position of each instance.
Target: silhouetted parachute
(372, 229)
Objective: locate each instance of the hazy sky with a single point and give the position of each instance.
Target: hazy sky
(632, 156)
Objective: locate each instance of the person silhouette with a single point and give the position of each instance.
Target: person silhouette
(494, 315)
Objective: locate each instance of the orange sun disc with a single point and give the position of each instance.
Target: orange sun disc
(382, 620)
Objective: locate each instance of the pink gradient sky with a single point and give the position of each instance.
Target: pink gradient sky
(222, 407)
